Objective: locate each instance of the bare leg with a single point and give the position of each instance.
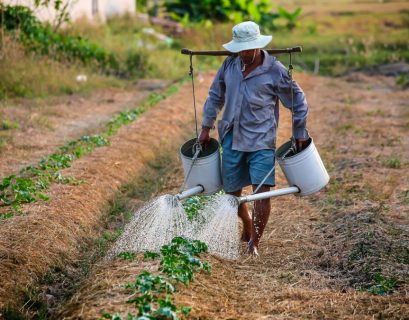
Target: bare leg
(260, 218)
(245, 217)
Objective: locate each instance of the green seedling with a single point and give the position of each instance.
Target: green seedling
(126, 255)
(382, 285)
(152, 294)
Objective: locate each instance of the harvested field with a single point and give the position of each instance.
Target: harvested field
(321, 256)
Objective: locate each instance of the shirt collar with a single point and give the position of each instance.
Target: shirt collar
(264, 67)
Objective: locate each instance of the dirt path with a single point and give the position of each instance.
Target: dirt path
(45, 126)
(320, 255)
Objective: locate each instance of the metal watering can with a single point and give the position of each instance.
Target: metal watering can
(304, 171)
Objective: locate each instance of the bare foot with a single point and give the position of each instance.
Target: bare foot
(252, 249)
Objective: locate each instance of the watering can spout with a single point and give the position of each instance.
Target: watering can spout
(268, 194)
(190, 192)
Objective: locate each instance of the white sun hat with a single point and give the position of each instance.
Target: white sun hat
(246, 36)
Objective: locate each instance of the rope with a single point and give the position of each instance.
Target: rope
(293, 147)
(194, 96)
(290, 74)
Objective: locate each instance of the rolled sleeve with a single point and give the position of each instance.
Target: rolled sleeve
(300, 107)
(215, 101)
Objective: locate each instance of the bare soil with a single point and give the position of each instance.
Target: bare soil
(320, 255)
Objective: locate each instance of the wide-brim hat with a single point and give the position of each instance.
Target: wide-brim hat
(246, 36)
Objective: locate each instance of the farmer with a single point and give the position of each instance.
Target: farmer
(249, 86)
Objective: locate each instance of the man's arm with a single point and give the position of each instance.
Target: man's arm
(214, 103)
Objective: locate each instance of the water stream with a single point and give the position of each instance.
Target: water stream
(164, 218)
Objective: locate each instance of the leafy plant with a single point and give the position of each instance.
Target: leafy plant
(126, 255)
(216, 10)
(382, 285)
(194, 204)
(152, 294)
(291, 17)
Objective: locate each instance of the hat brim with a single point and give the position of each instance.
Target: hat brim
(235, 46)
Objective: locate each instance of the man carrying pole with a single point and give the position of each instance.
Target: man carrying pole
(249, 87)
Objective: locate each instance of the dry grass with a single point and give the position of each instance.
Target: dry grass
(311, 264)
(28, 75)
(49, 235)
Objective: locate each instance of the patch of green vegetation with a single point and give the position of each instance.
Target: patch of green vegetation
(403, 80)
(42, 39)
(8, 125)
(26, 74)
(194, 204)
(152, 294)
(187, 11)
(126, 255)
(392, 162)
(382, 285)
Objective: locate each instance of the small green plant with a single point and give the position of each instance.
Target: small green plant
(194, 204)
(126, 255)
(8, 125)
(291, 17)
(152, 294)
(180, 260)
(393, 163)
(382, 285)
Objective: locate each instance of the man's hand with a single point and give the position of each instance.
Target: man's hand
(204, 136)
(301, 144)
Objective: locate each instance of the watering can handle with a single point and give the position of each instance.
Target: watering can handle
(198, 148)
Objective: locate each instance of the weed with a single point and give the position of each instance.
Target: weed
(393, 163)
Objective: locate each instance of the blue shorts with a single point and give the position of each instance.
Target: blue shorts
(240, 169)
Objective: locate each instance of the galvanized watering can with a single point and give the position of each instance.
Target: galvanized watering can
(304, 171)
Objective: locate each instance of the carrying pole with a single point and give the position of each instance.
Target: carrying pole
(228, 53)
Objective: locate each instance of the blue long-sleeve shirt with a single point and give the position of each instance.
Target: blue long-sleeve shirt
(251, 103)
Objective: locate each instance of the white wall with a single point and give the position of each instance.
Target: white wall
(82, 8)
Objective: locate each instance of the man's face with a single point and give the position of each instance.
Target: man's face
(247, 55)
